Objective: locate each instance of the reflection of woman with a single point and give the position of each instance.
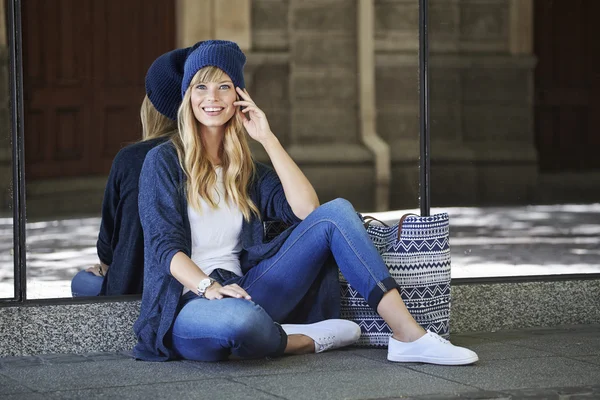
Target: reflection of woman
(213, 287)
(120, 240)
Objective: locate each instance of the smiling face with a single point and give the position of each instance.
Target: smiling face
(212, 97)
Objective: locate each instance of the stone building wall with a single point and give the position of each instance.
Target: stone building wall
(482, 145)
(302, 70)
(481, 97)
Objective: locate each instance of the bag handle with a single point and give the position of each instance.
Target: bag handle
(369, 219)
(402, 222)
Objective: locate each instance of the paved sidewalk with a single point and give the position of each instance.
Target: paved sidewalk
(557, 363)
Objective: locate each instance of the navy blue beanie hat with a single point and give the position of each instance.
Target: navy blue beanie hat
(163, 81)
(223, 54)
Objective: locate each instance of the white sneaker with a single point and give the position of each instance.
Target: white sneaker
(431, 349)
(327, 335)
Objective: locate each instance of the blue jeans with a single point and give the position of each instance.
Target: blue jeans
(211, 329)
(86, 284)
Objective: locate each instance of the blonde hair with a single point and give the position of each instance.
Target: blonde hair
(236, 158)
(154, 124)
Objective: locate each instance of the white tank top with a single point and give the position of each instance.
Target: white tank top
(216, 233)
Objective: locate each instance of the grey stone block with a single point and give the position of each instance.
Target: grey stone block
(479, 395)
(444, 25)
(507, 184)
(19, 361)
(270, 15)
(315, 125)
(324, 90)
(498, 124)
(323, 16)
(11, 332)
(454, 183)
(94, 375)
(10, 386)
(522, 305)
(569, 344)
(196, 389)
(340, 360)
(78, 328)
(496, 86)
(396, 85)
(393, 15)
(55, 359)
(318, 51)
(358, 383)
(484, 25)
(351, 182)
(404, 187)
(489, 349)
(524, 373)
(589, 359)
(398, 124)
(270, 86)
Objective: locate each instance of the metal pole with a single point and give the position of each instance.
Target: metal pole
(424, 163)
(18, 151)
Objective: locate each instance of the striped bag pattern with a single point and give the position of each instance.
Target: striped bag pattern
(418, 257)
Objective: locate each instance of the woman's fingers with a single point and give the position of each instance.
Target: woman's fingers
(243, 93)
(230, 291)
(234, 291)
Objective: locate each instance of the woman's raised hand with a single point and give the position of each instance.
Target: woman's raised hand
(257, 125)
(217, 292)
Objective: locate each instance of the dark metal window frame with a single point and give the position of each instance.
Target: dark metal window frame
(18, 159)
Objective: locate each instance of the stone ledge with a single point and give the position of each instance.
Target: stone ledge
(107, 326)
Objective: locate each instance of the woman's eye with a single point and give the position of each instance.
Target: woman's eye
(201, 87)
(225, 87)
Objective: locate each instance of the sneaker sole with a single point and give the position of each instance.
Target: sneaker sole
(433, 360)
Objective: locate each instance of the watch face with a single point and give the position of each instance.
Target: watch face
(204, 284)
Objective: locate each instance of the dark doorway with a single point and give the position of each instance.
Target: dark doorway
(567, 84)
(84, 63)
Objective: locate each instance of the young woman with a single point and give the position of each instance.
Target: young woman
(120, 241)
(213, 286)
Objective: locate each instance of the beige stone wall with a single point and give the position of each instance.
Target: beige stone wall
(303, 69)
(213, 19)
(481, 99)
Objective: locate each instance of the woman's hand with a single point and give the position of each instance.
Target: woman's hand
(216, 291)
(257, 126)
(98, 269)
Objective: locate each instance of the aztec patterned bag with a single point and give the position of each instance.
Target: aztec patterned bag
(417, 253)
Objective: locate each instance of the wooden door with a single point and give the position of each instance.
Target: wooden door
(84, 63)
(567, 83)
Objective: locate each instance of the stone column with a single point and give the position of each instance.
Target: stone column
(325, 138)
(213, 19)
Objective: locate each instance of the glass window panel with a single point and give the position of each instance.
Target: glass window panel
(515, 106)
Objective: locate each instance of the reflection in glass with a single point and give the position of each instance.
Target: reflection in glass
(84, 64)
(82, 107)
(6, 217)
(515, 107)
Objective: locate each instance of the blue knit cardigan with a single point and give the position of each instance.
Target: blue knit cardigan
(164, 218)
(120, 240)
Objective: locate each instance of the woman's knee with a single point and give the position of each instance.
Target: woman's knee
(86, 284)
(231, 319)
(337, 210)
(251, 324)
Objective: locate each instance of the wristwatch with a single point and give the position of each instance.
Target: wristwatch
(203, 285)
